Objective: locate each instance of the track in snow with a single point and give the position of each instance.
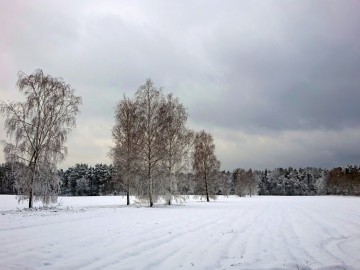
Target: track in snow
(231, 233)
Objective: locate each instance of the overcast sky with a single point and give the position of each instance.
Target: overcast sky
(277, 83)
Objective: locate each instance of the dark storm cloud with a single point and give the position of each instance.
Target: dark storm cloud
(304, 76)
(263, 76)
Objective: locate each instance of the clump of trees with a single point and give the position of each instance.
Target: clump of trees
(290, 181)
(153, 146)
(84, 180)
(39, 127)
(343, 181)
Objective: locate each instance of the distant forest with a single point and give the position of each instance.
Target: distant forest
(102, 179)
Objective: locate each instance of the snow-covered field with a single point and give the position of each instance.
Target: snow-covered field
(230, 233)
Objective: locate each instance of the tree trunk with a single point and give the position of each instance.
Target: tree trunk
(170, 187)
(127, 197)
(150, 193)
(151, 201)
(150, 185)
(207, 190)
(31, 198)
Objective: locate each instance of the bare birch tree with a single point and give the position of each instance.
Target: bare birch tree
(205, 165)
(177, 141)
(149, 100)
(39, 126)
(127, 135)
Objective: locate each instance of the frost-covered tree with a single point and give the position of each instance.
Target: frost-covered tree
(151, 150)
(39, 127)
(127, 135)
(205, 165)
(177, 141)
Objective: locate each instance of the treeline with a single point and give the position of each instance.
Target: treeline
(84, 180)
(102, 179)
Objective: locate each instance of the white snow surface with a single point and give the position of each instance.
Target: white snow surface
(231, 233)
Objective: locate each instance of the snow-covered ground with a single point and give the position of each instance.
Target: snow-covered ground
(230, 233)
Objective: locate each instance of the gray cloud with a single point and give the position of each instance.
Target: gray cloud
(305, 76)
(251, 72)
